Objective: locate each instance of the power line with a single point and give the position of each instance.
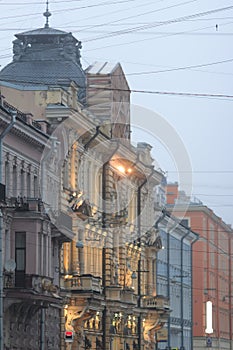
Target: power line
(156, 24)
(182, 68)
(69, 9)
(157, 37)
(38, 2)
(202, 171)
(139, 15)
(213, 195)
(165, 93)
(168, 93)
(113, 12)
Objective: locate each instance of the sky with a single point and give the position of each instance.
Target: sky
(178, 59)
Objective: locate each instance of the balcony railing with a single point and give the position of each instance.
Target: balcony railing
(19, 279)
(25, 204)
(129, 296)
(160, 303)
(82, 283)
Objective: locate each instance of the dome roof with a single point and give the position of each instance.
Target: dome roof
(41, 31)
(43, 73)
(45, 56)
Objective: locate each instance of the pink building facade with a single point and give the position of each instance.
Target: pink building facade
(31, 244)
(212, 271)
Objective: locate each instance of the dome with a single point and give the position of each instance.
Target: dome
(45, 56)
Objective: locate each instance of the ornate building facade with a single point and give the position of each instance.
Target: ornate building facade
(94, 205)
(30, 242)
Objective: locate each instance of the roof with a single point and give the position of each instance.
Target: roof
(107, 69)
(101, 68)
(46, 56)
(43, 72)
(41, 31)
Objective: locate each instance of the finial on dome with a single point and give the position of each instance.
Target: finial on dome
(47, 14)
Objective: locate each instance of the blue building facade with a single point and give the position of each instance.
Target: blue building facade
(174, 280)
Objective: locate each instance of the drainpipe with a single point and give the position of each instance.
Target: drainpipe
(156, 281)
(191, 264)
(139, 246)
(168, 288)
(104, 177)
(97, 132)
(168, 277)
(3, 134)
(42, 329)
(182, 292)
(230, 292)
(51, 150)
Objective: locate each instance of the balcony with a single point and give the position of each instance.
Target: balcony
(36, 283)
(25, 204)
(159, 303)
(128, 296)
(82, 283)
(113, 293)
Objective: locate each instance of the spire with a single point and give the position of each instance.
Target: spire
(47, 14)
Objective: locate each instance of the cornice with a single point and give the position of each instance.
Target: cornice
(204, 209)
(25, 131)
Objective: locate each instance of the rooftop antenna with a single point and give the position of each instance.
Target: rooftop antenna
(47, 14)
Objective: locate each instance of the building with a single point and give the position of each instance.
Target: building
(96, 191)
(30, 242)
(174, 279)
(212, 271)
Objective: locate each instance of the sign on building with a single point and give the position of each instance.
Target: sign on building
(162, 335)
(69, 336)
(209, 342)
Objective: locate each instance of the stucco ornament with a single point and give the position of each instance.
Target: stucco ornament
(75, 320)
(149, 329)
(153, 127)
(152, 236)
(18, 49)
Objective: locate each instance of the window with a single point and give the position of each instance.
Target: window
(7, 177)
(20, 258)
(14, 180)
(7, 246)
(66, 174)
(185, 222)
(35, 186)
(28, 185)
(22, 184)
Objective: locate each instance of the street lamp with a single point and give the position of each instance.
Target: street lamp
(208, 289)
(227, 296)
(79, 244)
(230, 316)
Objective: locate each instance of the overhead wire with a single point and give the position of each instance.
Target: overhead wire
(140, 14)
(83, 18)
(156, 24)
(181, 68)
(153, 38)
(36, 2)
(169, 93)
(113, 12)
(69, 9)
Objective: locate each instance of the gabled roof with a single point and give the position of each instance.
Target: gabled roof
(107, 69)
(102, 68)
